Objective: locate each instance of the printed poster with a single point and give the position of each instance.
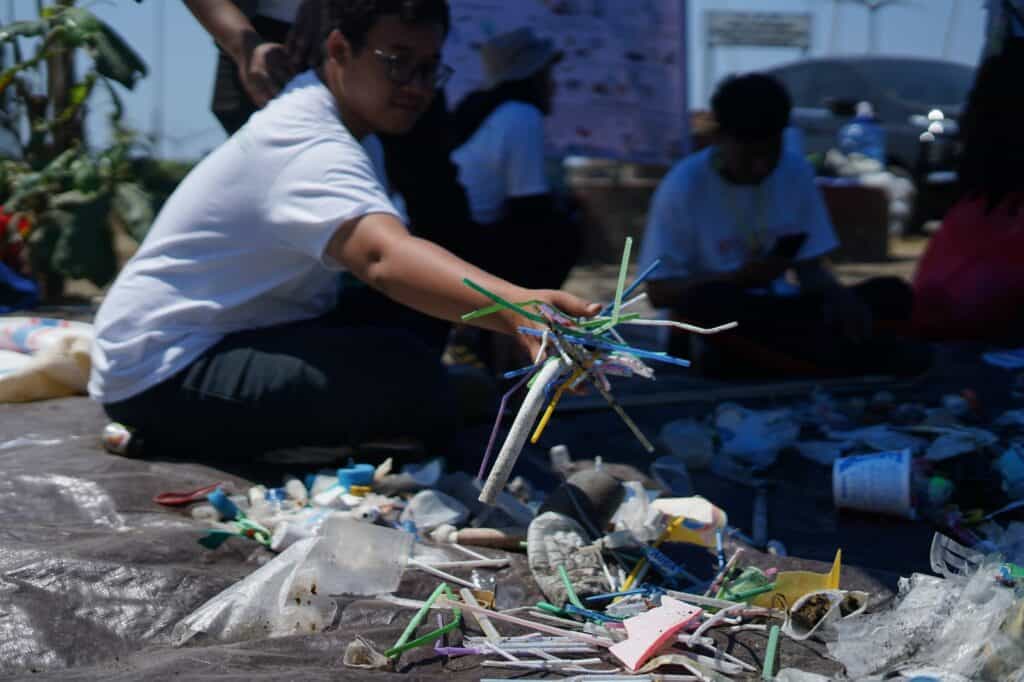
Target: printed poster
(621, 86)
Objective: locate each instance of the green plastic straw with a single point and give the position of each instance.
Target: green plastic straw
(403, 644)
(551, 609)
(502, 302)
(491, 309)
(619, 288)
(768, 672)
(623, 269)
(743, 596)
(573, 598)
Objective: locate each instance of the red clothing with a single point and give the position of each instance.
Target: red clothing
(970, 281)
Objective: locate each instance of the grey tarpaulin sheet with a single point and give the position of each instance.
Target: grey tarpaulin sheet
(93, 575)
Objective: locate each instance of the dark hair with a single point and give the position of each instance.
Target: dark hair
(993, 143)
(475, 107)
(752, 107)
(355, 18)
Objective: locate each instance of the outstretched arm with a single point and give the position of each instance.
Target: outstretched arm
(379, 250)
(262, 66)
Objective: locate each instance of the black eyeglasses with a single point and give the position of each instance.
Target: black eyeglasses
(402, 70)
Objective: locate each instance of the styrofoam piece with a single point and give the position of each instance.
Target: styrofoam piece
(649, 632)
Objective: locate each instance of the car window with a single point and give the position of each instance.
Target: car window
(797, 79)
(835, 81)
(920, 85)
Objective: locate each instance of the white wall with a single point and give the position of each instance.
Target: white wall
(916, 28)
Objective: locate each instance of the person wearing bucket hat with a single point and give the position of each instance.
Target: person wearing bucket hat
(517, 231)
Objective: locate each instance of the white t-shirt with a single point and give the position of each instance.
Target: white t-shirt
(504, 159)
(240, 244)
(700, 224)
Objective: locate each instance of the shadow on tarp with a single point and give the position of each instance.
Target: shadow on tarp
(94, 576)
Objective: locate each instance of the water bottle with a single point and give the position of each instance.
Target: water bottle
(863, 135)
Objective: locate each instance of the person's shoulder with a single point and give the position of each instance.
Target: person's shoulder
(689, 169)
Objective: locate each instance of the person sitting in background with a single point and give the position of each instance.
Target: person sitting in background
(728, 223)
(223, 335)
(863, 135)
(517, 230)
(970, 282)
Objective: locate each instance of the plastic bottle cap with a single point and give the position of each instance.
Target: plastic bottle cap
(220, 501)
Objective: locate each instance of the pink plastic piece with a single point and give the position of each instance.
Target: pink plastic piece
(649, 632)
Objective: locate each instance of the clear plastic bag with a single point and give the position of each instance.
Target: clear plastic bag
(291, 594)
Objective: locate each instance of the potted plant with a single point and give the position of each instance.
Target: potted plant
(58, 196)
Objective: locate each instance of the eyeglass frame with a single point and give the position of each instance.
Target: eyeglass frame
(439, 74)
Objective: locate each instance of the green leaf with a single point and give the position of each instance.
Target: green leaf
(85, 175)
(85, 248)
(134, 206)
(72, 199)
(77, 96)
(115, 58)
(43, 239)
(80, 26)
(22, 29)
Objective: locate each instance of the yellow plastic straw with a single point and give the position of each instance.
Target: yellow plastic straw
(551, 407)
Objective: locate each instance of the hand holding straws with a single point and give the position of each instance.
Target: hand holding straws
(586, 350)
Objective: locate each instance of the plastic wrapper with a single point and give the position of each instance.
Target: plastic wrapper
(691, 441)
(952, 623)
(755, 437)
(292, 593)
(430, 509)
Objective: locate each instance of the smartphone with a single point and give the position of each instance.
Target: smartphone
(788, 245)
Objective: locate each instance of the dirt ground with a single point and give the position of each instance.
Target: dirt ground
(597, 280)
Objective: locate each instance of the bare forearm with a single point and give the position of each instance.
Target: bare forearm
(227, 24)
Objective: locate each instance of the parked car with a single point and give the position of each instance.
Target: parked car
(917, 101)
(903, 91)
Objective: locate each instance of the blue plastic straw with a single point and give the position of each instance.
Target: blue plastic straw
(640, 279)
(604, 345)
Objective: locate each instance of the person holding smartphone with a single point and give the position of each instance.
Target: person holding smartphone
(729, 223)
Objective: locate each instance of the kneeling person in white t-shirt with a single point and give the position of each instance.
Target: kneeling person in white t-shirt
(730, 221)
(223, 332)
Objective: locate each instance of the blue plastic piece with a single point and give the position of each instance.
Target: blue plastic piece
(670, 570)
(646, 590)
(276, 495)
(220, 501)
(358, 474)
(603, 345)
(591, 615)
(863, 135)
